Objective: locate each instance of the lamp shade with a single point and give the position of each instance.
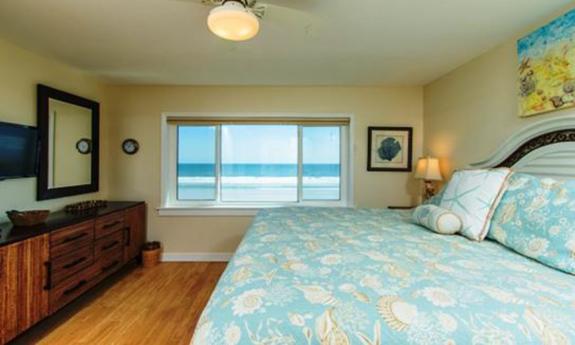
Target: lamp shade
(232, 21)
(428, 169)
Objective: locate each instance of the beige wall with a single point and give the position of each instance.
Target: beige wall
(20, 71)
(136, 112)
(472, 110)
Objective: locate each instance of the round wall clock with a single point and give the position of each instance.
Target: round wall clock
(130, 146)
(84, 146)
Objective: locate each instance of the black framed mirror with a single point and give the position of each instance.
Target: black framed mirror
(68, 132)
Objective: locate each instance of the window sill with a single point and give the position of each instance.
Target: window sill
(225, 211)
(213, 211)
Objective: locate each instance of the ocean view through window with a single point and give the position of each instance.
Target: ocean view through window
(196, 167)
(259, 163)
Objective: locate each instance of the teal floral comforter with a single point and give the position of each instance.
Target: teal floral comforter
(370, 277)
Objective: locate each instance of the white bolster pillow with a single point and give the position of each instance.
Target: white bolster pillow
(437, 219)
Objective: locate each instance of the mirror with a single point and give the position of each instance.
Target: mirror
(68, 127)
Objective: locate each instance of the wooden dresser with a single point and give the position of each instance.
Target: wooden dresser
(44, 268)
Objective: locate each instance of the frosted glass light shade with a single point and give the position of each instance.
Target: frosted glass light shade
(232, 21)
(428, 169)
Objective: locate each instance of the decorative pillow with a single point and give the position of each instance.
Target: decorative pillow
(437, 219)
(473, 195)
(536, 218)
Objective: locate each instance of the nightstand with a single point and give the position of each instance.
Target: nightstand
(401, 207)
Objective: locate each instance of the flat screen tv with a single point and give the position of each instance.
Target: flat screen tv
(18, 151)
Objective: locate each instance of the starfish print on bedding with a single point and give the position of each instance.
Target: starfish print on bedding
(485, 203)
(458, 196)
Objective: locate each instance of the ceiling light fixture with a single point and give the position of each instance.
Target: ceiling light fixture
(233, 21)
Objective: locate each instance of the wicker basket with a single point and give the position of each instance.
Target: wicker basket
(28, 218)
(151, 257)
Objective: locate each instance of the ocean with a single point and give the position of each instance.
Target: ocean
(259, 182)
(268, 170)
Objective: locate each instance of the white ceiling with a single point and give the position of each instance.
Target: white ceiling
(302, 42)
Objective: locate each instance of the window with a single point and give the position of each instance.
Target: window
(213, 162)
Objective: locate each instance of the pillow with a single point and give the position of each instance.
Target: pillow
(536, 218)
(473, 195)
(437, 219)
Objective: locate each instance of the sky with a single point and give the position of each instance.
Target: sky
(244, 144)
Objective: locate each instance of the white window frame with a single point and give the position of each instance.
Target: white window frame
(171, 206)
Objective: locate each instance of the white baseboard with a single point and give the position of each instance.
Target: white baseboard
(196, 257)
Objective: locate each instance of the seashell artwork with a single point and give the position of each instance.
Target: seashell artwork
(546, 70)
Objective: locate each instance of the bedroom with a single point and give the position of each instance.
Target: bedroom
(194, 141)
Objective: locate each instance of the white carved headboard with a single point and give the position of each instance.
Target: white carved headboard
(544, 148)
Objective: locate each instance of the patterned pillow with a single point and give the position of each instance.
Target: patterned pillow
(437, 219)
(536, 218)
(473, 195)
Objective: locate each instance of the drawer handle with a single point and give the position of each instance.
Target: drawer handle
(48, 285)
(74, 263)
(110, 266)
(128, 236)
(77, 287)
(74, 238)
(110, 245)
(111, 225)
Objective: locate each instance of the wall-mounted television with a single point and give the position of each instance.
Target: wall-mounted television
(18, 151)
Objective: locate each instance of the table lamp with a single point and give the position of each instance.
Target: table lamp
(428, 171)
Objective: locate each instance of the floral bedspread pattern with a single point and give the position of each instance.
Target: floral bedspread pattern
(536, 217)
(370, 277)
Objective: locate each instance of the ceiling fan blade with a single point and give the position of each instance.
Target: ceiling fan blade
(257, 8)
(294, 4)
(212, 2)
(254, 6)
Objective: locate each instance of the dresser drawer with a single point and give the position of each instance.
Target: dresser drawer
(68, 264)
(71, 238)
(72, 287)
(109, 224)
(110, 245)
(107, 265)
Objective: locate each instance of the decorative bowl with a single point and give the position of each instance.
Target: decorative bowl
(28, 218)
(85, 206)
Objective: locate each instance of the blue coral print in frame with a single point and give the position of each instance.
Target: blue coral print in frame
(389, 149)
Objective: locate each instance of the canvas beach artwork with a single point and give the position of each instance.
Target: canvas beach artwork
(547, 67)
(389, 149)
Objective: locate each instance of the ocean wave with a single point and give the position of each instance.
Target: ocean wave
(258, 181)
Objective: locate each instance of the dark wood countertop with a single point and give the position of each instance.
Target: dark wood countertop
(57, 220)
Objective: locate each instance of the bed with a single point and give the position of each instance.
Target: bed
(369, 276)
(372, 277)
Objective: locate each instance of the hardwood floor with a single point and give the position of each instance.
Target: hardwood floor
(160, 305)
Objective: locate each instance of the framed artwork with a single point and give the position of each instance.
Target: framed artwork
(546, 69)
(389, 148)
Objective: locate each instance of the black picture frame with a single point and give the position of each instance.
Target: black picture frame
(44, 94)
(371, 136)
